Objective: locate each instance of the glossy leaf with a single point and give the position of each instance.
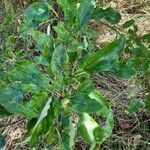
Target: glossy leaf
(103, 59)
(44, 43)
(34, 14)
(11, 99)
(85, 10)
(65, 133)
(92, 133)
(86, 126)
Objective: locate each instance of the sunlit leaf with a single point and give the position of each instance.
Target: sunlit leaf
(103, 59)
(91, 132)
(45, 122)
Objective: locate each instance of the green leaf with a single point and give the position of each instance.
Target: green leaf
(69, 8)
(112, 16)
(23, 78)
(82, 102)
(128, 24)
(92, 133)
(2, 142)
(66, 132)
(44, 42)
(36, 12)
(85, 10)
(123, 70)
(45, 123)
(98, 13)
(59, 61)
(63, 34)
(4, 112)
(11, 99)
(42, 39)
(28, 75)
(44, 113)
(133, 107)
(103, 59)
(72, 134)
(87, 126)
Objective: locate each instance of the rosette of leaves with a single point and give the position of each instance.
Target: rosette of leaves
(51, 98)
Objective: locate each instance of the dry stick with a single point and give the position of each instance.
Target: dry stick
(12, 123)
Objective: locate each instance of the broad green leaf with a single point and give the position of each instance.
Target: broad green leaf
(42, 39)
(44, 43)
(82, 102)
(85, 10)
(103, 59)
(123, 70)
(59, 61)
(64, 132)
(92, 133)
(98, 13)
(23, 78)
(11, 99)
(133, 107)
(63, 35)
(36, 12)
(111, 15)
(45, 123)
(69, 7)
(128, 24)
(2, 142)
(44, 113)
(28, 75)
(87, 126)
